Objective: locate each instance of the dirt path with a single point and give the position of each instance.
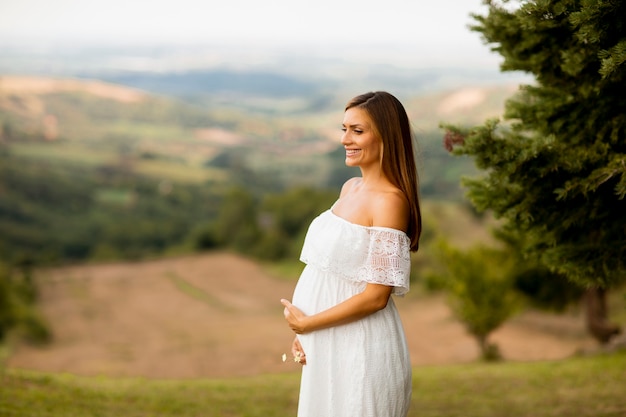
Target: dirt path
(217, 314)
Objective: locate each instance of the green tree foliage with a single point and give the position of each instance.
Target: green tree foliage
(17, 312)
(269, 228)
(55, 213)
(285, 218)
(541, 286)
(236, 225)
(58, 213)
(558, 172)
(480, 287)
(293, 210)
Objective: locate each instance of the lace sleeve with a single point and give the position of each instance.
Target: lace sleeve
(358, 253)
(388, 260)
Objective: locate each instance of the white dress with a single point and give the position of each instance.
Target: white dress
(360, 369)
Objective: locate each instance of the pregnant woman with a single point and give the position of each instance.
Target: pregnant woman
(349, 336)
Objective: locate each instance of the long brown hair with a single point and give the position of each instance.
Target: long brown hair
(392, 125)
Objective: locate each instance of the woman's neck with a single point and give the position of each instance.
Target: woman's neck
(373, 178)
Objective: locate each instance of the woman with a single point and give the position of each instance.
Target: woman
(348, 332)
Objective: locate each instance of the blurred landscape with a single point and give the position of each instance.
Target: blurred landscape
(131, 171)
(92, 146)
(160, 163)
(218, 315)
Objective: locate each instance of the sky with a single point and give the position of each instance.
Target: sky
(434, 30)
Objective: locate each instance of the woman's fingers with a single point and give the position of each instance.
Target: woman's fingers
(298, 353)
(293, 316)
(287, 305)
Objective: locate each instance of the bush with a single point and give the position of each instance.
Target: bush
(17, 312)
(481, 292)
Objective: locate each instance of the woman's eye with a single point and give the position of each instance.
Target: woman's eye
(343, 129)
(358, 132)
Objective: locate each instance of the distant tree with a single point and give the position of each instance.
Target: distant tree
(557, 173)
(236, 225)
(17, 312)
(293, 210)
(286, 216)
(480, 288)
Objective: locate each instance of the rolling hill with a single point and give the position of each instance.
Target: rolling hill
(83, 158)
(89, 122)
(219, 315)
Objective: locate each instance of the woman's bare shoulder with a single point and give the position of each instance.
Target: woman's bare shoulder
(391, 209)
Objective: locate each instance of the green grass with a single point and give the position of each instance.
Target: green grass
(27, 394)
(580, 387)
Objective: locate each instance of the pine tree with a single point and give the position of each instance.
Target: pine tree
(556, 171)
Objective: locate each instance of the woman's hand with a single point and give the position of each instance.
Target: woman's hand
(372, 299)
(295, 318)
(297, 352)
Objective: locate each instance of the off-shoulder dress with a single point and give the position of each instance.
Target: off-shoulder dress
(362, 368)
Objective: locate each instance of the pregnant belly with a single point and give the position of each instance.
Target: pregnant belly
(317, 290)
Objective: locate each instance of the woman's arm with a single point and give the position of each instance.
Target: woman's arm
(390, 210)
(372, 299)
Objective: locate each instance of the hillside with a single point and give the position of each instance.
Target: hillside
(217, 314)
(96, 170)
(89, 122)
(90, 170)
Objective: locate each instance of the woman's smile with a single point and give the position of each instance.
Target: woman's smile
(363, 147)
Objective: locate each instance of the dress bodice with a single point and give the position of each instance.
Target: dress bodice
(358, 253)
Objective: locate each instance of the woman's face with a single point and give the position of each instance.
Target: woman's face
(363, 147)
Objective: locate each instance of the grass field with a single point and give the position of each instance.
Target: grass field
(579, 387)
